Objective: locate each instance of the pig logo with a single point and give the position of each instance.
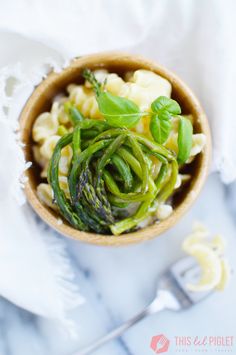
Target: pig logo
(160, 344)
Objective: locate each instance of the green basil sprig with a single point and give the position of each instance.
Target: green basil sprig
(160, 128)
(163, 109)
(185, 134)
(124, 113)
(118, 111)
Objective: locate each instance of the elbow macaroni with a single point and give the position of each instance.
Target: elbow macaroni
(85, 100)
(45, 195)
(45, 126)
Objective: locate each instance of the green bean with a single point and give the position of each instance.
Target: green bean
(76, 142)
(134, 164)
(105, 159)
(170, 185)
(95, 124)
(117, 202)
(74, 114)
(131, 160)
(124, 171)
(161, 176)
(131, 222)
(88, 134)
(111, 133)
(114, 189)
(137, 151)
(160, 157)
(143, 211)
(154, 146)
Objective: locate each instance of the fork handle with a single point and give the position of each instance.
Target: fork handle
(156, 306)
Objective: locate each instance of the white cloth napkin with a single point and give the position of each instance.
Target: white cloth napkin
(194, 38)
(35, 272)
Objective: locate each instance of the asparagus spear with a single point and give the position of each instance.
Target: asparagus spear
(63, 203)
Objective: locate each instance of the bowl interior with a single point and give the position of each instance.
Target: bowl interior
(54, 84)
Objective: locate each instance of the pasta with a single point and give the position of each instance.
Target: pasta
(199, 141)
(45, 195)
(64, 163)
(154, 84)
(47, 148)
(164, 211)
(85, 100)
(45, 125)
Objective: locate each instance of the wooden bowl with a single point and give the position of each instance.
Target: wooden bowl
(55, 83)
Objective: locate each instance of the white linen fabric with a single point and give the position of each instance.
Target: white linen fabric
(35, 272)
(193, 38)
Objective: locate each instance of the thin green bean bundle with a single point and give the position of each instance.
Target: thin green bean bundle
(103, 179)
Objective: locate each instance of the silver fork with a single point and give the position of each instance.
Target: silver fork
(172, 294)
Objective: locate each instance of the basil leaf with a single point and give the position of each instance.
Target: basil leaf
(165, 107)
(118, 111)
(185, 134)
(160, 129)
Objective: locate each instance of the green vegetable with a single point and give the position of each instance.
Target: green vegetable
(165, 107)
(118, 111)
(77, 165)
(88, 75)
(138, 153)
(59, 196)
(131, 160)
(105, 159)
(155, 147)
(117, 202)
(160, 125)
(114, 189)
(168, 188)
(94, 193)
(74, 114)
(160, 128)
(161, 177)
(124, 171)
(130, 222)
(111, 167)
(185, 134)
(76, 142)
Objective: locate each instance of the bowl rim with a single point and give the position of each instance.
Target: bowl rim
(148, 232)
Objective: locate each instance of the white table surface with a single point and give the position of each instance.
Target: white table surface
(118, 282)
